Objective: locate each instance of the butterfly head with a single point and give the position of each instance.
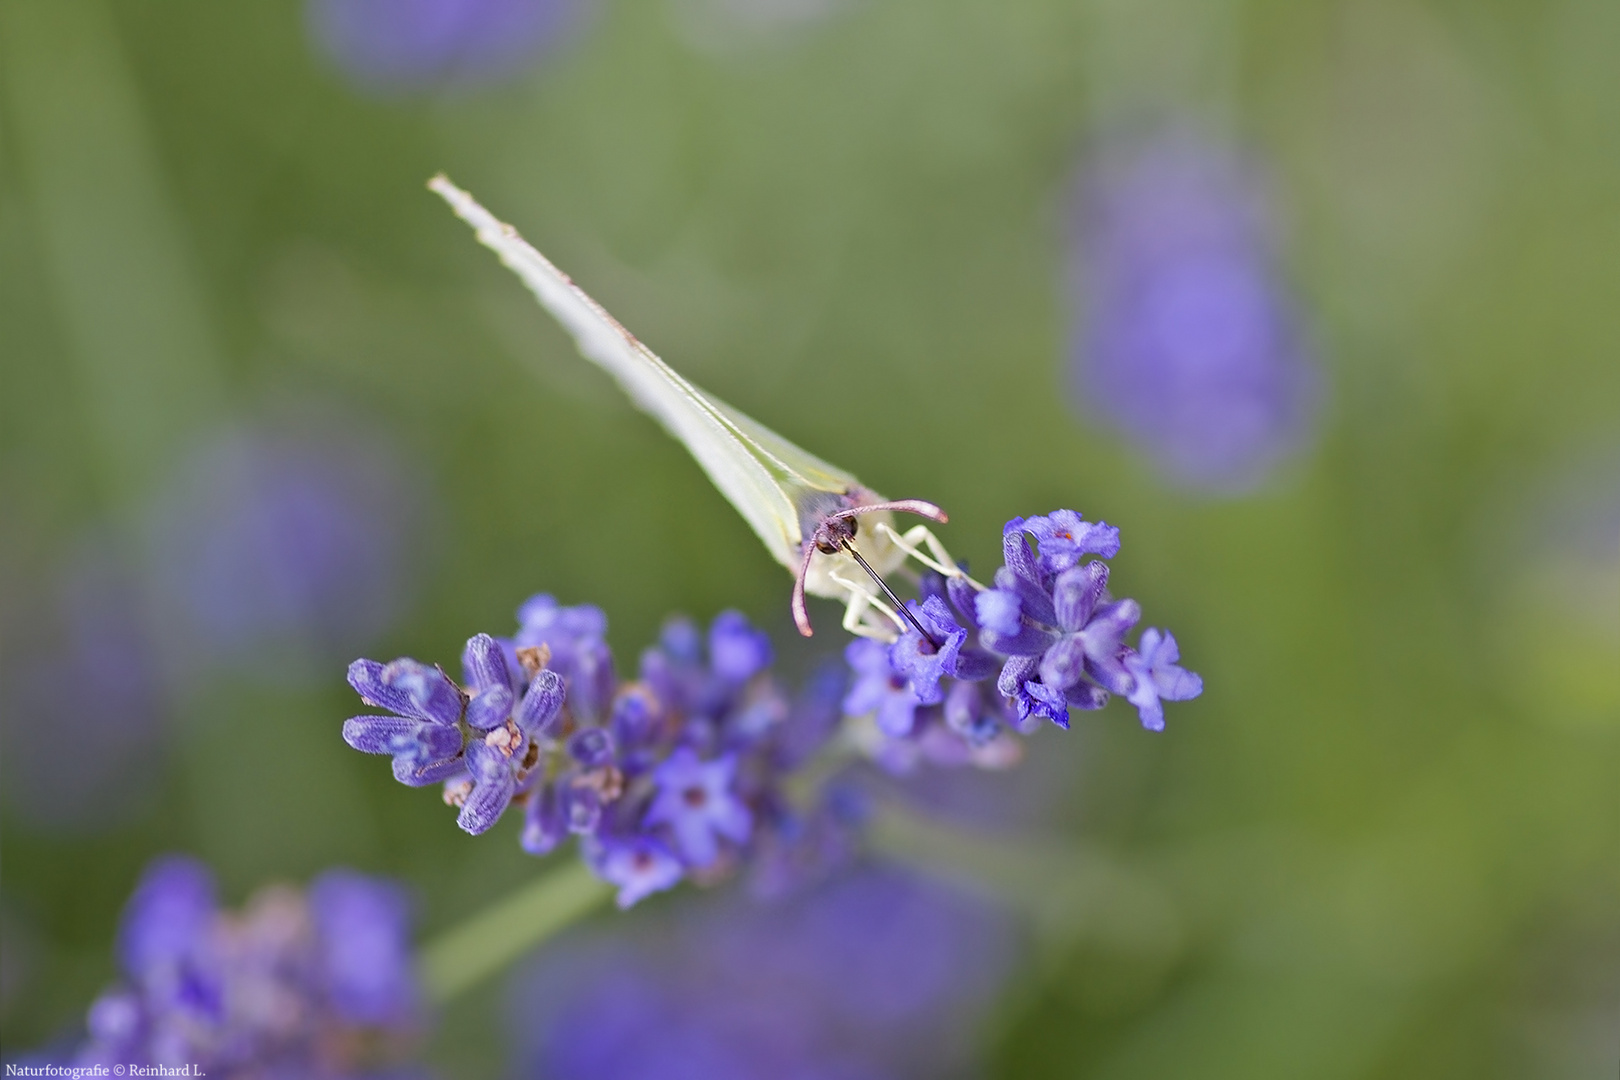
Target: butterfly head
(832, 530)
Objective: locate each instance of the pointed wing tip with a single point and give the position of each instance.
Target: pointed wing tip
(440, 184)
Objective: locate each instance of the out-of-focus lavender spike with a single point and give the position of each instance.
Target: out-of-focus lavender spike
(1189, 340)
(321, 985)
(395, 46)
(281, 543)
(82, 717)
(875, 973)
(362, 925)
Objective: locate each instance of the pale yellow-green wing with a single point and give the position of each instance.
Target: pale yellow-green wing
(767, 478)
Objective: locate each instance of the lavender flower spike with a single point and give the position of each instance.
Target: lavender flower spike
(1191, 344)
(688, 769)
(318, 984)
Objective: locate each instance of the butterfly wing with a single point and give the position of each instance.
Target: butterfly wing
(770, 481)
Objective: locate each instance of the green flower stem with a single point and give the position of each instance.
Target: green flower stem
(482, 945)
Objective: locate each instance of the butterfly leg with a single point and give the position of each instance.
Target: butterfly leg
(865, 614)
(920, 535)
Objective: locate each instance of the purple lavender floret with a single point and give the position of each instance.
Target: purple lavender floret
(1153, 666)
(1191, 344)
(577, 640)
(879, 690)
(424, 737)
(1064, 537)
(737, 650)
(297, 984)
(698, 801)
(638, 865)
(923, 662)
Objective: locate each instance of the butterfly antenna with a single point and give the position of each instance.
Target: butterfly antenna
(801, 617)
(905, 506)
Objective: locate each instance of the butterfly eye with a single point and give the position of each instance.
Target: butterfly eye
(834, 534)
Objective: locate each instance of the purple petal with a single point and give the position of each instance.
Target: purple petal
(541, 708)
(1085, 695)
(1015, 552)
(1064, 663)
(493, 787)
(592, 747)
(639, 867)
(966, 713)
(897, 714)
(1106, 631)
(1049, 702)
(1064, 536)
(407, 688)
(366, 676)
(1029, 641)
(964, 598)
(1177, 684)
(408, 771)
(695, 839)
(387, 734)
(975, 665)
(364, 925)
(484, 664)
(1075, 594)
(1034, 598)
(489, 708)
(167, 916)
(543, 824)
(999, 610)
(581, 808)
(1014, 673)
(737, 651)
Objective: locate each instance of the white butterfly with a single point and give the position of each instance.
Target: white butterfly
(820, 522)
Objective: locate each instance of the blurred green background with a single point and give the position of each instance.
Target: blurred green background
(1391, 826)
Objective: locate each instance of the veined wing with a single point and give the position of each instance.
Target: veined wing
(767, 478)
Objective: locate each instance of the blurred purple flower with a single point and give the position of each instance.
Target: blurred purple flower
(82, 717)
(696, 800)
(275, 547)
(874, 974)
(391, 46)
(316, 985)
(362, 926)
(1191, 343)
